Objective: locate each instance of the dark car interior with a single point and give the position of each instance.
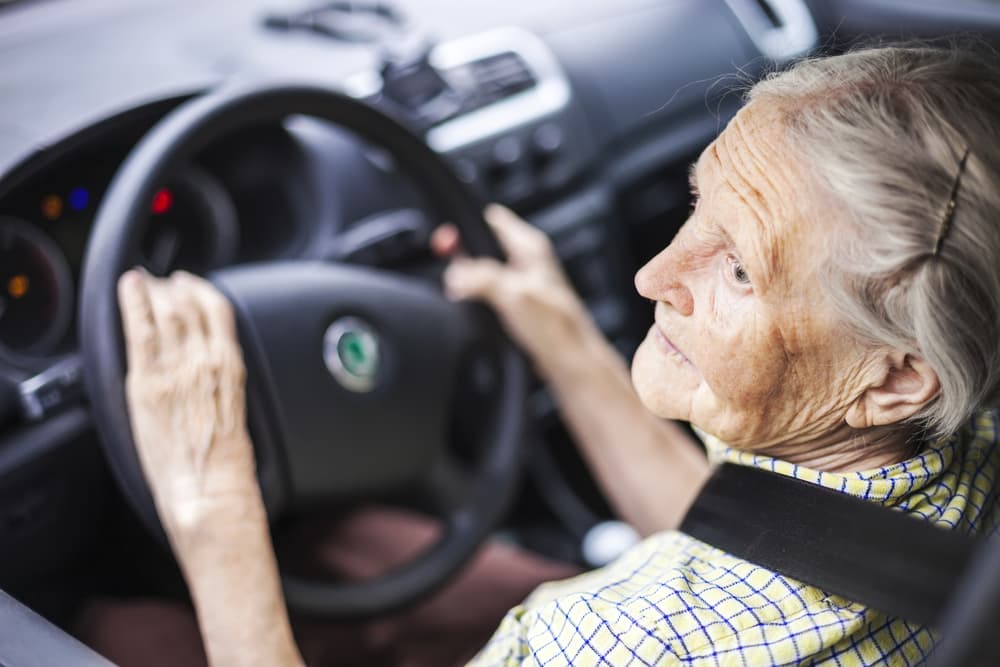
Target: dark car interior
(582, 116)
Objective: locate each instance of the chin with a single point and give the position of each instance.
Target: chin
(661, 388)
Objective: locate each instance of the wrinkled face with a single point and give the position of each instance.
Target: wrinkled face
(744, 344)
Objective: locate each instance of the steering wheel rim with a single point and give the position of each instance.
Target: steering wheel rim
(113, 248)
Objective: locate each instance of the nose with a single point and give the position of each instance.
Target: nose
(662, 279)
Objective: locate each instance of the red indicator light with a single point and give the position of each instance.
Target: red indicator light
(163, 201)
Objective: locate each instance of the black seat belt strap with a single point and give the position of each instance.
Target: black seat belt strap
(860, 550)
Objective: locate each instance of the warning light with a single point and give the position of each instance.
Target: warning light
(78, 198)
(17, 286)
(163, 201)
(52, 206)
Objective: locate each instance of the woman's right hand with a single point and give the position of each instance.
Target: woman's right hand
(530, 292)
(186, 400)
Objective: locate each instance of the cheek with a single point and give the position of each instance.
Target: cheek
(769, 383)
(743, 365)
(745, 370)
(738, 354)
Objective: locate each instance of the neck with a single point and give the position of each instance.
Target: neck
(850, 450)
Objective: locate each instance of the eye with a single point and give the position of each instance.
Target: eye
(739, 273)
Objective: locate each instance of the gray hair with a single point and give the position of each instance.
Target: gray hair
(885, 129)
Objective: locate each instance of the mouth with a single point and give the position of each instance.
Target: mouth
(666, 346)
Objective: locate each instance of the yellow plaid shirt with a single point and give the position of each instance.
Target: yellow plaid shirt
(674, 600)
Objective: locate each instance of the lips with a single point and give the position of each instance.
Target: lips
(666, 345)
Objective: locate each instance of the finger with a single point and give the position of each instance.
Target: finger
(217, 312)
(445, 241)
(519, 239)
(480, 278)
(221, 338)
(141, 346)
(167, 317)
(189, 310)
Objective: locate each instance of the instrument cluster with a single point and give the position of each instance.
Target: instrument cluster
(44, 227)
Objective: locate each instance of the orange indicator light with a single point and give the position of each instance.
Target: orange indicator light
(52, 207)
(17, 286)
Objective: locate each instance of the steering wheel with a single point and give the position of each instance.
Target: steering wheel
(351, 370)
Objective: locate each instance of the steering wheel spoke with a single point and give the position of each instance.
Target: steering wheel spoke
(381, 239)
(447, 487)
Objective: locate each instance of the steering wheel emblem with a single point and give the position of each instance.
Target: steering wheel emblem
(352, 354)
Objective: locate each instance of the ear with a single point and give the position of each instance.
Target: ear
(902, 384)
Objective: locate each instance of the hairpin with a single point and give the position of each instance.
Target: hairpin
(949, 211)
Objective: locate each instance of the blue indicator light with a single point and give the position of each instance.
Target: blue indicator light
(78, 198)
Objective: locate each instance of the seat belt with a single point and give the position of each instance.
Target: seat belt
(843, 545)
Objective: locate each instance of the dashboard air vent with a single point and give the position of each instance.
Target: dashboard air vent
(490, 79)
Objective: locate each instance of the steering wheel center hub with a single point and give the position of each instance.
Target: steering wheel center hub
(353, 355)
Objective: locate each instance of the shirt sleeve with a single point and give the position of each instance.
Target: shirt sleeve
(509, 645)
(574, 630)
(580, 621)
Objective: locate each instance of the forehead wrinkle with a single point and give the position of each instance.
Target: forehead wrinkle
(756, 155)
(753, 182)
(761, 241)
(746, 162)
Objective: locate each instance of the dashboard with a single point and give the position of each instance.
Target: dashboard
(581, 115)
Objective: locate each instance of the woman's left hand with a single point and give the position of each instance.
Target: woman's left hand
(186, 398)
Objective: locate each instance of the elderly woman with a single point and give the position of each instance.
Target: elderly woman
(831, 311)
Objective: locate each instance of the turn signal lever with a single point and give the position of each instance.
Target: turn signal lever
(39, 396)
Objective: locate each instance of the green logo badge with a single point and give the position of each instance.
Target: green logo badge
(351, 352)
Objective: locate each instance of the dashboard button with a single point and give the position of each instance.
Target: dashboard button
(503, 164)
(466, 170)
(507, 152)
(547, 139)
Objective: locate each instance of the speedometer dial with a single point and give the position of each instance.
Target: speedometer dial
(36, 292)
